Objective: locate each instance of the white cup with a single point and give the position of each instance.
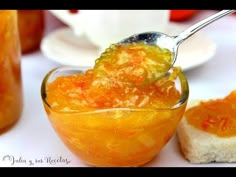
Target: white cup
(73, 20)
(104, 27)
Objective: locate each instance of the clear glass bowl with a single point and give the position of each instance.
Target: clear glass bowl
(116, 136)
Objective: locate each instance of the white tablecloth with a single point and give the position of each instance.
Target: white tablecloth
(33, 142)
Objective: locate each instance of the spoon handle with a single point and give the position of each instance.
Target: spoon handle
(196, 27)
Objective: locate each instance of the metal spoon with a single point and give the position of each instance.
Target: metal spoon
(172, 42)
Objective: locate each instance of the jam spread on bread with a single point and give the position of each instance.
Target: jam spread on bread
(216, 116)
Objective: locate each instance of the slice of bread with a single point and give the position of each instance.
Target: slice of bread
(199, 146)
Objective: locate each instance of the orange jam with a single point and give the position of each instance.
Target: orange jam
(215, 116)
(31, 25)
(10, 67)
(136, 63)
(113, 115)
(118, 80)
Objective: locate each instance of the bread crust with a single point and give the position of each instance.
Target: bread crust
(199, 146)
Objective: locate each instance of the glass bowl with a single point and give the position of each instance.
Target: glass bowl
(115, 137)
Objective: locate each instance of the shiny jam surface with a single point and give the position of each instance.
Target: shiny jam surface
(10, 78)
(216, 116)
(80, 107)
(118, 80)
(138, 64)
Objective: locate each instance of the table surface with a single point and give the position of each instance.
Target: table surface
(32, 142)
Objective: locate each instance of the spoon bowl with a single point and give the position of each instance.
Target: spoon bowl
(172, 42)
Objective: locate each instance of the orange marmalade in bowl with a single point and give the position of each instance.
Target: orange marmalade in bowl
(216, 116)
(10, 67)
(114, 114)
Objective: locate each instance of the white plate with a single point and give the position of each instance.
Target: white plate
(64, 47)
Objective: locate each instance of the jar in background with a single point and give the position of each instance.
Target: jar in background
(31, 28)
(11, 101)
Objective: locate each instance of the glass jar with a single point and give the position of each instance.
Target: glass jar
(10, 67)
(31, 28)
